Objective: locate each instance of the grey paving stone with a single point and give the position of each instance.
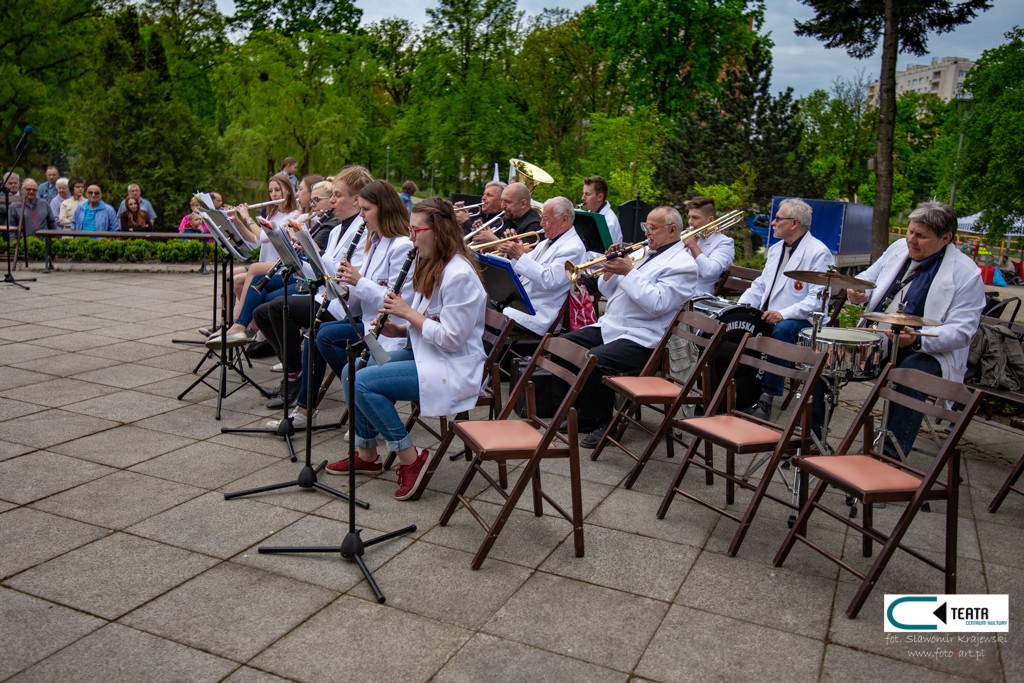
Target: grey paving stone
(329, 570)
(379, 492)
(28, 332)
(692, 645)
(249, 675)
(625, 561)
(12, 378)
(58, 392)
(29, 537)
(231, 610)
(11, 408)
(320, 649)
(66, 365)
(458, 595)
(282, 471)
(759, 593)
(40, 473)
(118, 500)
(209, 524)
(80, 323)
(126, 376)
(124, 406)
(205, 465)
(117, 652)
(32, 629)
(10, 450)
(844, 665)
(607, 627)
(635, 512)
(192, 421)
(559, 488)
(485, 657)
(45, 428)
(18, 353)
(78, 341)
(112, 575)
(122, 446)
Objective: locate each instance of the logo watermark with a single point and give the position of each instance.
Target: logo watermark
(947, 613)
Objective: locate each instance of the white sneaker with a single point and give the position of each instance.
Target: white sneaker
(298, 420)
(278, 368)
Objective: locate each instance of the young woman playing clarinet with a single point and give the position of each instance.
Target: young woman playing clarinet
(444, 323)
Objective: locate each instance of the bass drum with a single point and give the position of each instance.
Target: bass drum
(738, 319)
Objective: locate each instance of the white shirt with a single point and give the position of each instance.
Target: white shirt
(542, 272)
(717, 254)
(793, 299)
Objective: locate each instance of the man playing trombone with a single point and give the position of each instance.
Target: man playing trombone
(542, 269)
(643, 299)
(713, 253)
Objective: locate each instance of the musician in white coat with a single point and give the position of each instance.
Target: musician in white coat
(931, 278)
(542, 269)
(643, 299)
(595, 199)
(444, 323)
(787, 303)
(714, 253)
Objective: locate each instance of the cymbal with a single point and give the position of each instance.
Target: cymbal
(901, 319)
(829, 278)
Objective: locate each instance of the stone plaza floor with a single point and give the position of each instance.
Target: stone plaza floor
(120, 560)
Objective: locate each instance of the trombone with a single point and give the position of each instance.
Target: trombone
(720, 224)
(489, 245)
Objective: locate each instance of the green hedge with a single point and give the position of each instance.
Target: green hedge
(110, 251)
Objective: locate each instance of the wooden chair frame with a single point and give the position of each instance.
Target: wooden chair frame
(727, 430)
(872, 477)
(664, 394)
(531, 439)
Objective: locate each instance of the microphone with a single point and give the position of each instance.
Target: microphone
(25, 132)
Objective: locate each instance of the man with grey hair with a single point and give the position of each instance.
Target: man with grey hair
(491, 200)
(542, 269)
(787, 304)
(643, 299)
(63, 192)
(924, 274)
(135, 191)
(31, 213)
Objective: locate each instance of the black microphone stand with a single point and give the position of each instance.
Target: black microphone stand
(9, 277)
(352, 546)
(308, 475)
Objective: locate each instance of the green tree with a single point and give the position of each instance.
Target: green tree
(292, 17)
(902, 26)
(624, 150)
(992, 160)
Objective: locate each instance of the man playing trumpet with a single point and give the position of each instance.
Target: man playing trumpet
(490, 206)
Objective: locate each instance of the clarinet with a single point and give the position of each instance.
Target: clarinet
(396, 289)
(322, 310)
(355, 242)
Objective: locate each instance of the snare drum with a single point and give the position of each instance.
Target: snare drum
(850, 355)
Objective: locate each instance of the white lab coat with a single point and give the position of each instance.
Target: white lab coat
(614, 229)
(956, 297)
(642, 304)
(717, 254)
(449, 351)
(379, 271)
(542, 272)
(795, 300)
(334, 252)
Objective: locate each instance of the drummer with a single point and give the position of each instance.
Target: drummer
(787, 303)
(926, 274)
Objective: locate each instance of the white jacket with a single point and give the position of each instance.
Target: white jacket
(956, 297)
(379, 271)
(642, 303)
(717, 254)
(795, 300)
(334, 252)
(614, 229)
(542, 272)
(449, 351)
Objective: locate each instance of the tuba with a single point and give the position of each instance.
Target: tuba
(530, 175)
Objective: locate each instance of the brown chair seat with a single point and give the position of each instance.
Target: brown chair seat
(517, 437)
(732, 432)
(863, 475)
(645, 389)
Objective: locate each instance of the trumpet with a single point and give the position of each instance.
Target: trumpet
(489, 245)
(574, 272)
(500, 216)
(469, 208)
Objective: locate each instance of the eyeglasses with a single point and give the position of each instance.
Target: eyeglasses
(651, 227)
(414, 231)
(547, 219)
(92, 193)
(319, 199)
(784, 218)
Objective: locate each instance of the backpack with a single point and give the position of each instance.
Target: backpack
(996, 358)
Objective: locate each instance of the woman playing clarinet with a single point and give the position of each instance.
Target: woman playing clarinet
(444, 323)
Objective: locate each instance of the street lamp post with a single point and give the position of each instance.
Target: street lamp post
(387, 166)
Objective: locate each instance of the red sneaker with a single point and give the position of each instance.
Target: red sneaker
(410, 476)
(341, 466)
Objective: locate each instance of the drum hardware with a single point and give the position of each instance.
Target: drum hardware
(829, 278)
(901, 319)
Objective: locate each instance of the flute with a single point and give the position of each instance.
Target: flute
(260, 204)
(378, 324)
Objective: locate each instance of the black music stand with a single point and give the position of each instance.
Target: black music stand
(504, 288)
(9, 278)
(592, 228)
(352, 546)
(631, 215)
(226, 358)
(290, 263)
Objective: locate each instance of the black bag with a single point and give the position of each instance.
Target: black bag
(548, 389)
(260, 349)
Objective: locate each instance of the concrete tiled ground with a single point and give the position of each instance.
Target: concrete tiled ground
(121, 561)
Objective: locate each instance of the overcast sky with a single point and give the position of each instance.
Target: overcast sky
(801, 63)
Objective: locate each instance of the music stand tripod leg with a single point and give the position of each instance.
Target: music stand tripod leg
(352, 546)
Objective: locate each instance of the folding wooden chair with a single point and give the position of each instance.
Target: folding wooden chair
(1011, 480)
(531, 439)
(875, 478)
(497, 328)
(738, 432)
(665, 394)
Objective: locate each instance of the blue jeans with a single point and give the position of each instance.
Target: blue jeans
(903, 422)
(377, 389)
(787, 331)
(331, 340)
(253, 298)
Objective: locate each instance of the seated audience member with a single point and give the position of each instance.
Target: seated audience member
(135, 191)
(95, 215)
(542, 269)
(32, 213)
(13, 185)
(58, 198)
(71, 204)
(133, 218)
(48, 189)
(192, 222)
